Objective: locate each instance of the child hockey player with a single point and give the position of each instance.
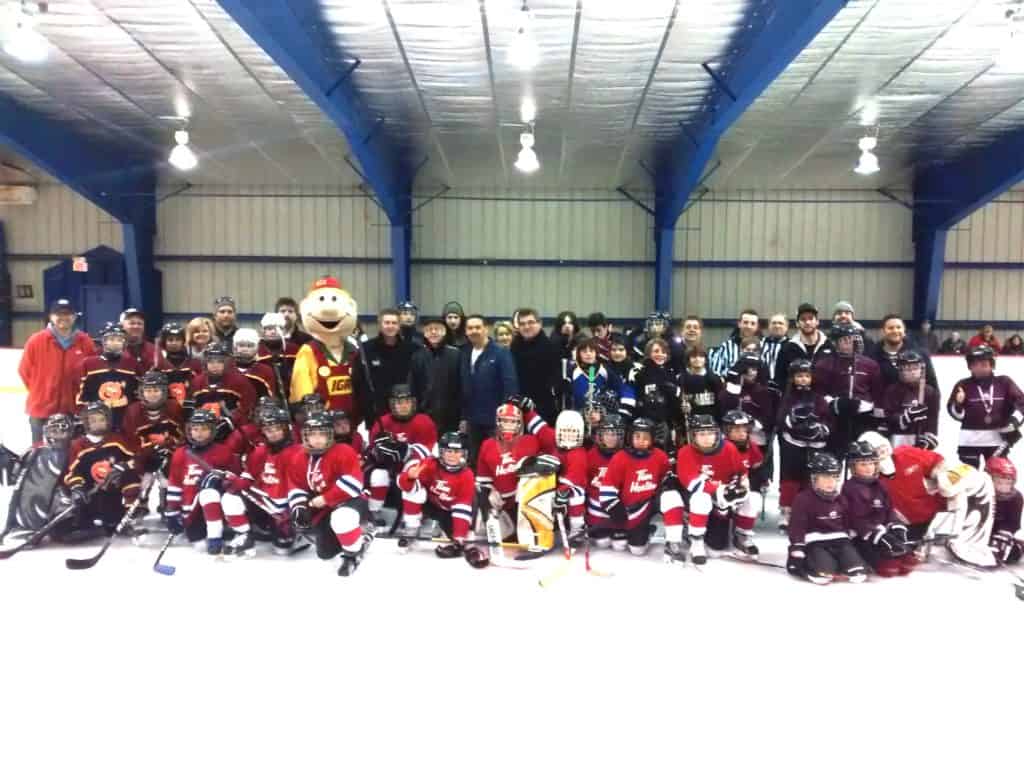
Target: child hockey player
(109, 377)
(325, 495)
(820, 548)
(701, 389)
(912, 406)
(276, 351)
(176, 363)
(634, 490)
(746, 391)
(712, 474)
(593, 383)
(570, 495)
(881, 536)
(344, 432)
(990, 409)
(443, 489)
(245, 346)
(1007, 540)
(608, 440)
(803, 424)
(222, 390)
(657, 393)
(37, 496)
(852, 384)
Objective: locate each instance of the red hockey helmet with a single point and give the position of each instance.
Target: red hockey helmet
(1004, 475)
(509, 421)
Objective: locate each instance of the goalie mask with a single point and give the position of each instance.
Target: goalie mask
(245, 344)
(863, 461)
(737, 425)
(201, 428)
(57, 430)
(317, 434)
(824, 470)
(569, 430)
(452, 452)
(1004, 476)
(153, 390)
(509, 422)
(402, 402)
(911, 366)
(883, 450)
(705, 434)
(610, 434)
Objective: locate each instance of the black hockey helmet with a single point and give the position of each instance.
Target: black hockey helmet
(737, 419)
(662, 318)
(407, 306)
(911, 365)
(171, 329)
(640, 426)
(216, 350)
(276, 416)
(701, 423)
(979, 353)
(802, 413)
(451, 445)
(800, 365)
(340, 415)
(614, 424)
(96, 408)
(201, 418)
(58, 429)
(317, 424)
(153, 379)
(401, 395)
(862, 451)
(311, 404)
(110, 349)
(819, 464)
(841, 331)
(263, 403)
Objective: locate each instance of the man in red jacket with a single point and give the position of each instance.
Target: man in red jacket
(49, 366)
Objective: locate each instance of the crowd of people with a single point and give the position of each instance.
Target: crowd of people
(442, 418)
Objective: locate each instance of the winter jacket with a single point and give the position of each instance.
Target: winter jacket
(722, 357)
(487, 384)
(795, 349)
(51, 374)
(539, 372)
(604, 380)
(891, 374)
(445, 384)
(403, 363)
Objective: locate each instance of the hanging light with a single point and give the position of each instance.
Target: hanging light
(528, 110)
(524, 52)
(23, 41)
(527, 161)
(182, 157)
(868, 163)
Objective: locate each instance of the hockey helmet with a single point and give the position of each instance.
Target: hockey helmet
(841, 331)
(911, 366)
(171, 330)
(802, 413)
(863, 460)
(509, 422)
(201, 428)
(981, 354)
(112, 340)
(611, 429)
(704, 433)
(569, 430)
(883, 450)
(317, 426)
(340, 418)
(310, 405)
(153, 380)
(657, 323)
(453, 451)
(272, 326)
(800, 366)
(1004, 475)
(640, 426)
(96, 418)
(407, 308)
(216, 352)
(245, 344)
(275, 425)
(824, 470)
(402, 402)
(736, 421)
(58, 429)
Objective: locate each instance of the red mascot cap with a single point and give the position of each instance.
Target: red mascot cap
(326, 282)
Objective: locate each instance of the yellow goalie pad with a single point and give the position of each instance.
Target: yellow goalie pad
(535, 496)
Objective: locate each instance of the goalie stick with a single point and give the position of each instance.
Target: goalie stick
(42, 533)
(76, 564)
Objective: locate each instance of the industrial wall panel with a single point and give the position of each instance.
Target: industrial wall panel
(190, 287)
(22, 328)
(991, 236)
(60, 222)
(498, 291)
(722, 293)
(28, 273)
(576, 226)
(293, 222)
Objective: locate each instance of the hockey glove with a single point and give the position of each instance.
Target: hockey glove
(79, 498)
(387, 452)
(899, 530)
(913, 415)
(927, 440)
(796, 563)
(224, 428)
(846, 407)
(522, 402)
(887, 543)
(561, 503)
(735, 493)
(543, 465)
(175, 523)
(616, 512)
(1005, 547)
(213, 480)
(302, 517)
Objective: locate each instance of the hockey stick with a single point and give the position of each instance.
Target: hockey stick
(166, 570)
(38, 536)
(82, 564)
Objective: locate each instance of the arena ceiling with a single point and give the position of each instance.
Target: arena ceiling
(616, 84)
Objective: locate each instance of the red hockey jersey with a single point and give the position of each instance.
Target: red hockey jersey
(706, 471)
(335, 475)
(419, 430)
(90, 461)
(573, 478)
(450, 491)
(231, 394)
(188, 467)
(266, 470)
(634, 481)
(597, 468)
(261, 377)
(110, 382)
(497, 464)
(147, 432)
(180, 375)
(906, 487)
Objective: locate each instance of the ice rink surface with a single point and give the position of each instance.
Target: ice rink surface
(413, 660)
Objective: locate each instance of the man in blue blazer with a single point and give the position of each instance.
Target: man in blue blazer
(488, 376)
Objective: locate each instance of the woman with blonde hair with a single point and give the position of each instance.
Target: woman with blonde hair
(504, 332)
(198, 334)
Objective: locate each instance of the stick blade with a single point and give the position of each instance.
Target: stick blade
(81, 565)
(165, 570)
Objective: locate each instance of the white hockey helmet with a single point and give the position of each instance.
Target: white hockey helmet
(883, 450)
(245, 343)
(272, 325)
(569, 430)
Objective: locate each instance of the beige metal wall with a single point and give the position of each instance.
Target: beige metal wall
(60, 224)
(993, 235)
(780, 229)
(582, 229)
(301, 229)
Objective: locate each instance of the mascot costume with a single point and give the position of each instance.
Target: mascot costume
(324, 365)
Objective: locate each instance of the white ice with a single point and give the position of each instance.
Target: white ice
(419, 661)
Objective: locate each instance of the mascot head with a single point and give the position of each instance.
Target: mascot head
(328, 312)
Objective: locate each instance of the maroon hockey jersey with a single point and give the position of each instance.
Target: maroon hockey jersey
(113, 382)
(231, 394)
(813, 518)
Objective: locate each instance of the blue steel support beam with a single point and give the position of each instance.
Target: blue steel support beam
(401, 250)
(120, 183)
(947, 193)
(6, 297)
(664, 244)
(281, 28)
(790, 27)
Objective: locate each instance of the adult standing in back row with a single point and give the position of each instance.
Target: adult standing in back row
(538, 364)
(49, 366)
(488, 378)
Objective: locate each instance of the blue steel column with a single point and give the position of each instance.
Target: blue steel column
(664, 244)
(929, 261)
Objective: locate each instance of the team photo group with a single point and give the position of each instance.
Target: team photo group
(497, 442)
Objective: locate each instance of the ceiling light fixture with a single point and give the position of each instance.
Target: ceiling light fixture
(524, 52)
(527, 161)
(182, 157)
(528, 110)
(868, 163)
(22, 41)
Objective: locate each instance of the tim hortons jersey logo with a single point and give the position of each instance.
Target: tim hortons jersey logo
(599, 477)
(442, 490)
(193, 475)
(506, 466)
(269, 474)
(643, 482)
(315, 479)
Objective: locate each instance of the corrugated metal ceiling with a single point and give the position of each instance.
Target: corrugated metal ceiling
(615, 80)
